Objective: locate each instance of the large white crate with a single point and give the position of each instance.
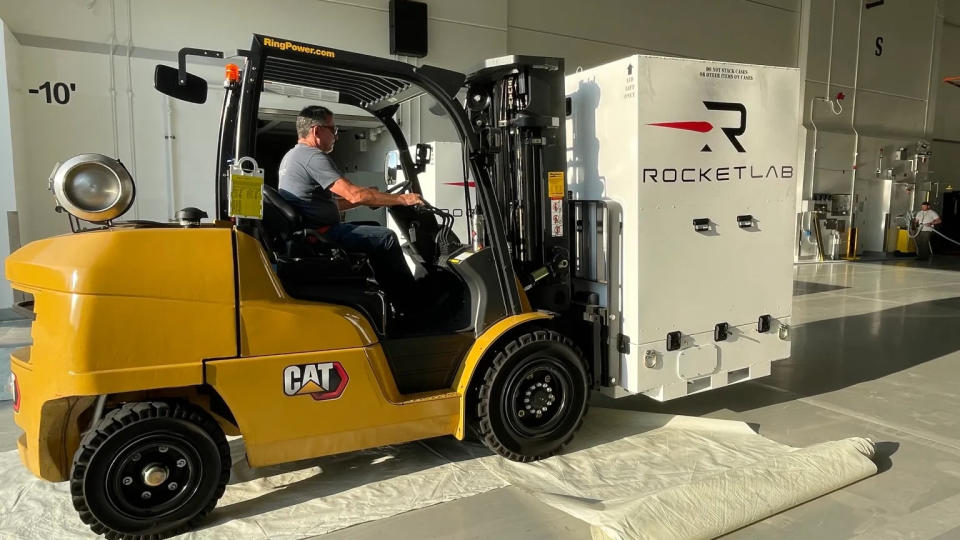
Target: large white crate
(675, 140)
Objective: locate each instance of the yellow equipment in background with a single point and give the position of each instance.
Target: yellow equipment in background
(905, 244)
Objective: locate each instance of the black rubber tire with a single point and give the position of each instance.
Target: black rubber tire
(526, 351)
(138, 423)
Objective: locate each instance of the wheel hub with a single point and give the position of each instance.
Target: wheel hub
(155, 475)
(538, 399)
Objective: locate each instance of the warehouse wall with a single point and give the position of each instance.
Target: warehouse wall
(889, 102)
(592, 33)
(8, 151)
(69, 41)
(945, 164)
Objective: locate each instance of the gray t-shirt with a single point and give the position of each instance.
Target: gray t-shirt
(306, 175)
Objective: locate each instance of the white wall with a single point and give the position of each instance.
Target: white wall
(8, 143)
(70, 43)
(945, 164)
(587, 34)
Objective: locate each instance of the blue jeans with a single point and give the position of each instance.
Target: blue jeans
(382, 248)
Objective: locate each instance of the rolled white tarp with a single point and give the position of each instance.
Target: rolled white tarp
(683, 477)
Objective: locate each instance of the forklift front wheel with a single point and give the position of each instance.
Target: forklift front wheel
(149, 469)
(533, 397)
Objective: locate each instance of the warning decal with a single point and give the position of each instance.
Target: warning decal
(556, 185)
(556, 217)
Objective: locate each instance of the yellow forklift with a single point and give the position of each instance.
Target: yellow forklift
(154, 341)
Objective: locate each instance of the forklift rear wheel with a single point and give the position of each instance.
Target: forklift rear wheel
(149, 469)
(533, 396)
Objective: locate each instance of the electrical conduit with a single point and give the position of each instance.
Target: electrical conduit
(133, 131)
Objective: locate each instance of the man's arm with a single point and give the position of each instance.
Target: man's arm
(358, 195)
(344, 205)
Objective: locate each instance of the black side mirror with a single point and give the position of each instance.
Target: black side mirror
(166, 80)
(423, 157)
(391, 167)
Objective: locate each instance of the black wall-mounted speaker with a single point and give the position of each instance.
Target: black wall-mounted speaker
(408, 28)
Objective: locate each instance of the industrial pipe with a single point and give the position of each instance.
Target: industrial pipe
(168, 151)
(133, 131)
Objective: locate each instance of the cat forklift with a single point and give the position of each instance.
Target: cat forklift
(154, 341)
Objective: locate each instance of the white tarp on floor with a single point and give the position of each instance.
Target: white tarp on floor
(637, 475)
(629, 474)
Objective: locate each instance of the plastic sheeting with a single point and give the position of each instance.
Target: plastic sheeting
(665, 476)
(628, 474)
(287, 501)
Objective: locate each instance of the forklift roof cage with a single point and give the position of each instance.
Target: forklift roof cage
(376, 85)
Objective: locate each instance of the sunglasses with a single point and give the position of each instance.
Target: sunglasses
(333, 129)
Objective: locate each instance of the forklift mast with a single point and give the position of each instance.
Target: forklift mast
(516, 104)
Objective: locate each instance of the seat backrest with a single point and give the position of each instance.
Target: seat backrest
(283, 209)
(282, 230)
(280, 221)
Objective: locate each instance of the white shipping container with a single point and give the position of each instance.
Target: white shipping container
(675, 141)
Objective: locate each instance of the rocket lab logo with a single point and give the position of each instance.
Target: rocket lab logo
(705, 127)
(319, 381)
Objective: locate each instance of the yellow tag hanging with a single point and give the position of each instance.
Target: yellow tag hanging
(246, 190)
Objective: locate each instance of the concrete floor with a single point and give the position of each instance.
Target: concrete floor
(875, 354)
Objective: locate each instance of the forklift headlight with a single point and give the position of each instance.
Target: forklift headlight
(93, 187)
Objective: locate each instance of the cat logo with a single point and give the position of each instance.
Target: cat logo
(319, 381)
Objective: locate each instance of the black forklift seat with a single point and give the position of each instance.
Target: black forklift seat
(311, 267)
(288, 234)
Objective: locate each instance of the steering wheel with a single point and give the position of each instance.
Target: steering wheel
(429, 208)
(396, 188)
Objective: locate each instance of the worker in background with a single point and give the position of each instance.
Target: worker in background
(926, 218)
(313, 184)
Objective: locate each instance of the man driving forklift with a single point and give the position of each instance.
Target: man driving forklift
(313, 184)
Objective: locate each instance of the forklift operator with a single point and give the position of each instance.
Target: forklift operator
(313, 184)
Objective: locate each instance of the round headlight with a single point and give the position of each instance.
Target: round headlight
(93, 187)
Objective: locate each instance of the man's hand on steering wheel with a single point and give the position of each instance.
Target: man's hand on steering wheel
(397, 188)
(411, 199)
(406, 199)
